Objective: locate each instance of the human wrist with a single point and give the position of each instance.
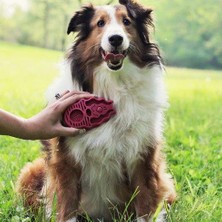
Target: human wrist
(28, 127)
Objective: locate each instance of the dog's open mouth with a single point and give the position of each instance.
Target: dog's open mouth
(114, 59)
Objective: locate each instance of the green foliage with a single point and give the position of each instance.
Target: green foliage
(188, 32)
(193, 132)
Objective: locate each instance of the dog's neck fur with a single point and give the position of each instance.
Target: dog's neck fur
(134, 91)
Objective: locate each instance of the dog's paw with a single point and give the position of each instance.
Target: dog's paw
(72, 220)
(162, 217)
(141, 219)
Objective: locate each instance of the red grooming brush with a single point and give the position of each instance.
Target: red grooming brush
(88, 113)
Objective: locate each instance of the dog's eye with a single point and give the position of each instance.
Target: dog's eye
(126, 22)
(101, 23)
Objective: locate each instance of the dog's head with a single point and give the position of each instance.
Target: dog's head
(111, 33)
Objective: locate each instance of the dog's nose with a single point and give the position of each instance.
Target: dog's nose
(115, 40)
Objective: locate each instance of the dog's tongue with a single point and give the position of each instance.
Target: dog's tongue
(113, 57)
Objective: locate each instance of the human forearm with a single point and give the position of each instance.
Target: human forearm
(12, 125)
(44, 125)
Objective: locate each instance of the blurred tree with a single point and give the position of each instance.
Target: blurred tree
(47, 5)
(189, 32)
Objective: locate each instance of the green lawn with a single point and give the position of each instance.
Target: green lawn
(193, 131)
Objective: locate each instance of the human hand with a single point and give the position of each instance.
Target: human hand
(47, 123)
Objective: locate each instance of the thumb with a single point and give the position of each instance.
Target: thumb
(69, 131)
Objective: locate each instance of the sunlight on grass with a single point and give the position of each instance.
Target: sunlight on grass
(194, 145)
(193, 131)
(26, 73)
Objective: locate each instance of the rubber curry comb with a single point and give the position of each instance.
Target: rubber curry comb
(88, 113)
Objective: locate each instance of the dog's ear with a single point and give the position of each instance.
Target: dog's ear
(81, 19)
(142, 17)
(136, 10)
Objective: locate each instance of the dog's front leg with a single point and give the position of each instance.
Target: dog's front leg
(147, 179)
(68, 192)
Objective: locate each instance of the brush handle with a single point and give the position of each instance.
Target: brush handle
(88, 113)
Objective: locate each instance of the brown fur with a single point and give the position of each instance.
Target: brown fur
(30, 183)
(149, 177)
(68, 189)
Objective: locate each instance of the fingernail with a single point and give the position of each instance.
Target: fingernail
(81, 131)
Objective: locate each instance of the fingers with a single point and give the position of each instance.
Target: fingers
(68, 94)
(72, 98)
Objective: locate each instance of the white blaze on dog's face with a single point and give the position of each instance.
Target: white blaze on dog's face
(112, 23)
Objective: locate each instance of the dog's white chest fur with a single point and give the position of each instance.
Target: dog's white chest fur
(139, 98)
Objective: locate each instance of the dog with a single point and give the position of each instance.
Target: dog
(97, 173)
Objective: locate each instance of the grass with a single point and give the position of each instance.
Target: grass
(194, 144)
(193, 131)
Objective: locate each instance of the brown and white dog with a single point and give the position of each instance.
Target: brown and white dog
(98, 172)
